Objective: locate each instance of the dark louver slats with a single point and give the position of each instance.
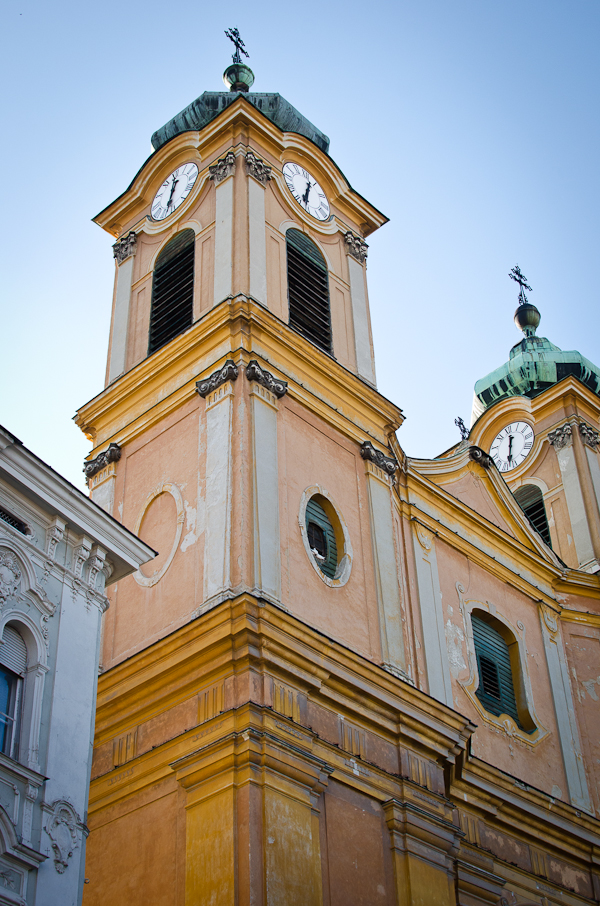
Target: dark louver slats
(496, 690)
(321, 537)
(308, 290)
(530, 499)
(172, 291)
(16, 523)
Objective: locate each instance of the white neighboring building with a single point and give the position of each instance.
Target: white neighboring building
(58, 550)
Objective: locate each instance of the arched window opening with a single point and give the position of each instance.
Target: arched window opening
(13, 663)
(321, 537)
(530, 499)
(308, 290)
(172, 308)
(498, 673)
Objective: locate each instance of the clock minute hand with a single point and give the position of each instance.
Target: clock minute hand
(307, 193)
(175, 181)
(510, 440)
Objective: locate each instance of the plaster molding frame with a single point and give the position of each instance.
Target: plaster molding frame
(344, 568)
(503, 722)
(166, 488)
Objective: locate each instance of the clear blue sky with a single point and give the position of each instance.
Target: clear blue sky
(474, 125)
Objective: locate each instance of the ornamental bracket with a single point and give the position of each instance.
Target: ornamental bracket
(258, 168)
(91, 468)
(589, 436)
(228, 372)
(480, 456)
(125, 247)
(368, 452)
(255, 373)
(223, 168)
(356, 246)
(561, 437)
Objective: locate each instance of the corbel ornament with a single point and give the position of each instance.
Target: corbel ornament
(54, 535)
(480, 456)
(550, 619)
(61, 826)
(125, 247)
(589, 436)
(368, 452)
(97, 559)
(81, 554)
(91, 468)
(255, 373)
(561, 437)
(228, 372)
(223, 168)
(356, 246)
(258, 168)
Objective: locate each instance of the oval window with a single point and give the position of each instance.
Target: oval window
(321, 538)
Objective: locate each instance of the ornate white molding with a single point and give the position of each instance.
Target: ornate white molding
(356, 246)
(589, 436)
(561, 437)
(54, 535)
(228, 372)
(388, 463)
(258, 168)
(112, 454)
(10, 576)
(255, 373)
(62, 826)
(223, 168)
(125, 247)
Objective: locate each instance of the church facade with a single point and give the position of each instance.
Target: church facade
(349, 677)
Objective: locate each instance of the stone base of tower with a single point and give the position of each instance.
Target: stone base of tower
(248, 759)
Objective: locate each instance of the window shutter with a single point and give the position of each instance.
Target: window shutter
(496, 690)
(13, 651)
(172, 291)
(16, 523)
(316, 514)
(308, 290)
(531, 500)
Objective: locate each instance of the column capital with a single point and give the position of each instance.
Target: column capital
(356, 246)
(125, 247)
(561, 436)
(223, 168)
(228, 372)
(368, 452)
(257, 168)
(254, 372)
(589, 436)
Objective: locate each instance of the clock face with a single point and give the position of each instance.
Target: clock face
(306, 190)
(512, 445)
(174, 190)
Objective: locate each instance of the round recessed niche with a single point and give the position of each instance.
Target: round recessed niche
(325, 537)
(159, 524)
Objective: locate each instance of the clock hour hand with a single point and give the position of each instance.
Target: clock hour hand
(307, 193)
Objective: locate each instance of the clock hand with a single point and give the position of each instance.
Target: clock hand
(306, 194)
(510, 440)
(175, 181)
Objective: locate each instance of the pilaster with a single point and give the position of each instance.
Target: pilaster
(124, 252)
(222, 174)
(357, 254)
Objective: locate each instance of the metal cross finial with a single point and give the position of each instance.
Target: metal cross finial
(464, 431)
(521, 279)
(234, 35)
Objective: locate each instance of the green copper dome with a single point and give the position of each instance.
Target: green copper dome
(534, 365)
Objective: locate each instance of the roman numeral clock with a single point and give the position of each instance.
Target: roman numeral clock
(512, 446)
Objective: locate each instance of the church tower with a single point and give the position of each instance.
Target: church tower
(294, 706)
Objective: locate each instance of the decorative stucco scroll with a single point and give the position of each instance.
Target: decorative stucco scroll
(480, 456)
(223, 168)
(356, 246)
(589, 436)
(561, 437)
(10, 576)
(125, 247)
(61, 826)
(228, 372)
(257, 168)
(388, 463)
(255, 373)
(91, 468)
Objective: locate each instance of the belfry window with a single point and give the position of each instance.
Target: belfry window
(496, 690)
(308, 290)
(172, 291)
(530, 499)
(13, 663)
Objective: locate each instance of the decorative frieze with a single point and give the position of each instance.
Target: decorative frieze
(356, 246)
(228, 372)
(561, 437)
(589, 436)
(388, 463)
(91, 468)
(255, 373)
(257, 168)
(125, 247)
(480, 456)
(223, 168)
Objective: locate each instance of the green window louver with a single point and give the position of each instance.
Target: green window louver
(530, 499)
(308, 290)
(321, 538)
(172, 291)
(496, 690)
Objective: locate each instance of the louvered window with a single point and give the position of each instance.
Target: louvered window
(308, 290)
(13, 663)
(172, 291)
(16, 523)
(496, 690)
(321, 538)
(530, 499)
